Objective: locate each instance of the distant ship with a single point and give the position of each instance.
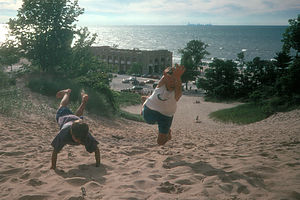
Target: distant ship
(189, 24)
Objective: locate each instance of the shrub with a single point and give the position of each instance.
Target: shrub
(98, 102)
(10, 101)
(5, 80)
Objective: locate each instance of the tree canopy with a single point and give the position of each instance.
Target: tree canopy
(291, 37)
(219, 78)
(44, 31)
(191, 58)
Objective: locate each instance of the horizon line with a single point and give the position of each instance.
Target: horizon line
(2, 23)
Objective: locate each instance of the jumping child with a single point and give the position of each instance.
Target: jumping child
(161, 105)
(73, 130)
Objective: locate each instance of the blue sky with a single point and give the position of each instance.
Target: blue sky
(176, 12)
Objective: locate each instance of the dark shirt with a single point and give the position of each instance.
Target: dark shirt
(64, 136)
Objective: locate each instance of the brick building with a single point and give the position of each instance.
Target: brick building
(152, 61)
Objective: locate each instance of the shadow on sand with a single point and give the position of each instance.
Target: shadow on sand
(84, 174)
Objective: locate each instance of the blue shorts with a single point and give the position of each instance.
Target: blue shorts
(62, 111)
(151, 117)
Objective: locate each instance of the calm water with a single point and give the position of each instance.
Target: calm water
(224, 41)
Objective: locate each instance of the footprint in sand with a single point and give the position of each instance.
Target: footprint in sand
(35, 182)
(185, 182)
(77, 181)
(35, 197)
(171, 188)
(155, 176)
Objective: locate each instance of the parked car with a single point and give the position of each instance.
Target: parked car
(138, 75)
(149, 81)
(141, 83)
(131, 78)
(126, 90)
(155, 76)
(136, 88)
(125, 81)
(135, 82)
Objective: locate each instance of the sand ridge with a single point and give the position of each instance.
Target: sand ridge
(204, 159)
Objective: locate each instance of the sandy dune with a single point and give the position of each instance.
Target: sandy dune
(205, 160)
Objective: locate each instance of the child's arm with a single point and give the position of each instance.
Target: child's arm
(97, 157)
(178, 72)
(162, 81)
(178, 89)
(53, 159)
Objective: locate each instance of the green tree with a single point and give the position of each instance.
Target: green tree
(83, 61)
(136, 68)
(44, 31)
(291, 37)
(258, 75)
(241, 59)
(262, 72)
(219, 79)
(282, 62)
(191, 58)
(8, 55)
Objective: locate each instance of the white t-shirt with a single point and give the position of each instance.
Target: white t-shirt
(162, 101)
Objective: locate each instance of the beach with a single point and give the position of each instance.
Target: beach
(204, 160)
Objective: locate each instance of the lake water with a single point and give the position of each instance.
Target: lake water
(224, 41)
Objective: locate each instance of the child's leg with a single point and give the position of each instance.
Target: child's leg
(163, 138)
(65, 95)
(84, 99)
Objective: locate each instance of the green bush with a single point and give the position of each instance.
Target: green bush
(127, 98)
(49, 86)
(5, 80)
(242, 114)
(130, 116)
(98, 102)
(10, 101)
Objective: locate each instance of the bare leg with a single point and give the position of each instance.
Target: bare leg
(65, 95)
(163, 138)
(84, 99)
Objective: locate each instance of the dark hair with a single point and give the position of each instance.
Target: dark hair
(80, 130)
(170, 70)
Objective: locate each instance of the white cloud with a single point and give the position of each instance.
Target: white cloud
(169, 11)
(10, 4)
(186, 6)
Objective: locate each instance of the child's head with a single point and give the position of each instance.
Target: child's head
(79, 131)
(170, 78)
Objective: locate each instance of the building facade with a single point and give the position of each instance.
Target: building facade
(151, 61)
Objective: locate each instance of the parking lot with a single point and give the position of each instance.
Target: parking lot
(117, 84)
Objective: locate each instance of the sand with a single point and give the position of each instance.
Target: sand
(204, 160)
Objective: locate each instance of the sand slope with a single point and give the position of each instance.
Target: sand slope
(206, 160)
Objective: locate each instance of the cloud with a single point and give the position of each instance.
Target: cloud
(12, 5)
(171, 11)
(186, 6)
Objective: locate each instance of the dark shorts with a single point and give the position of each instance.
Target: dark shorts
(152, 117)
(62, 112)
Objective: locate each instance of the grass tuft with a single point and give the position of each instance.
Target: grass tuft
(130, 116)
(241, 114)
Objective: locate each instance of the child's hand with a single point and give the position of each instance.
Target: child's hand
(179, 70)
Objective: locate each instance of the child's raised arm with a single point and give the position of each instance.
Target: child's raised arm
(53, 159)
(97, 157)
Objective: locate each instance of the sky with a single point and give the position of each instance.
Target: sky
(176, 12)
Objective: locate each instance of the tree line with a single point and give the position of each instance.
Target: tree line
(254, 80)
